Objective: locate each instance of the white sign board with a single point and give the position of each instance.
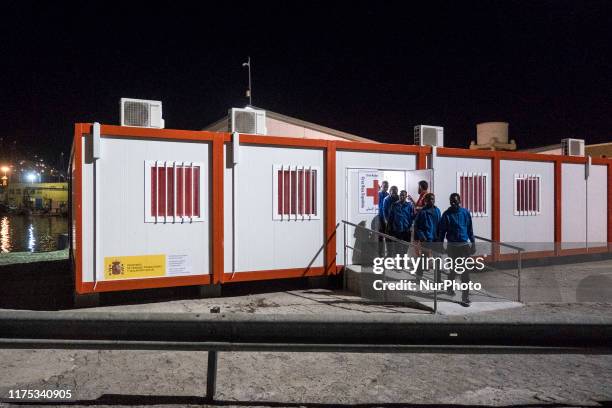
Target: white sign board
(179, 265)
(369, 185)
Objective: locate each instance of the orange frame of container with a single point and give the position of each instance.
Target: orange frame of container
(330, 148)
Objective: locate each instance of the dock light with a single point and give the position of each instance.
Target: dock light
(31, 177)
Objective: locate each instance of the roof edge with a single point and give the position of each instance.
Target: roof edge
(302, 123)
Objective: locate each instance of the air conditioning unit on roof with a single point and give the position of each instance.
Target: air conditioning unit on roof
(428, 135)
(141, 113)
(247, 120)
(572, 147)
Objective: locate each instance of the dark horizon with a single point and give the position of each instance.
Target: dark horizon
(372, 70)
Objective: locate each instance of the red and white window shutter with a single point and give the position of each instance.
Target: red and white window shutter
(527, 194)
(173, 191)
(295, 192)
(472, 187)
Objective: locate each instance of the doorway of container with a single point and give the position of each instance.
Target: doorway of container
(361, 204)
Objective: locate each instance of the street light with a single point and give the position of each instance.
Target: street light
(4, 180)
(31, 177)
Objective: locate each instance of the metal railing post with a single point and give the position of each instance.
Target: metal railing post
(520, 262)
(344, 269)
(211, 375)
(436, 278)
(519, 251)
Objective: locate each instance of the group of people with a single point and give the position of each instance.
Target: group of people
(399, 214)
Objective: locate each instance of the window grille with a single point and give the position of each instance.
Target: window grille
(472, 187)
(295, 192)
(173, 191)
(526, 194)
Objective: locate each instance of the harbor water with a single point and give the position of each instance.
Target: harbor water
(33, 233)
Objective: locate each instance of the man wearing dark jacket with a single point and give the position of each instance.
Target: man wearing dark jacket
(400, 220)
(388, 203)
(456, 226)
(382, 224)
(426, 227)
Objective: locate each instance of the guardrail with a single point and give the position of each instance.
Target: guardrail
(298, 333)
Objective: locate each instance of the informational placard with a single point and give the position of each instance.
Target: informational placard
(134, 267)
(369, 185)
(179, 265)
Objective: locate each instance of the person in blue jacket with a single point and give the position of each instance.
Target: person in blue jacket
(387, 204)
(456, 227)
(400, 220)
(426, 227)
(382, 225)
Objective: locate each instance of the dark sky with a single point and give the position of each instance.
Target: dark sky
(375, 69)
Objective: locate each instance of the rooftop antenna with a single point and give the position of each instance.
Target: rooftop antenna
(248, 92)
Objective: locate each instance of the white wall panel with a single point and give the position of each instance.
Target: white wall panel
(535, 229)
(573, 206)
(445, 183)
(597, 206)
(121, 182)
(264, 243)
(228, 210)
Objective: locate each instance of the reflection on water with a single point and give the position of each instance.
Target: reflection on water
(19, 233)
(31, 240)
(5, 239)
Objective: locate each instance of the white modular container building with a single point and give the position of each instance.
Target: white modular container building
(161, 207)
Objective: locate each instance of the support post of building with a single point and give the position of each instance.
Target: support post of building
(77, 207)
(217, 209)
(330, 208)
(558, 203)
(495, 192)
(422, 159)
(610, 205)
(212, 290)
(85, 300)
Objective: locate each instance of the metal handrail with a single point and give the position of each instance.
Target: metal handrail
(519, 260)
(387, 236)
(434, 252)
(500, 243)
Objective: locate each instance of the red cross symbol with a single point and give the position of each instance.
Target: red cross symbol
(373, 192)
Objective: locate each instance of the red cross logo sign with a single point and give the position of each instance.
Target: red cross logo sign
(373, 192)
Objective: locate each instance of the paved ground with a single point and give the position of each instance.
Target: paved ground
(287, 379)
(588, 282)
(116, 378)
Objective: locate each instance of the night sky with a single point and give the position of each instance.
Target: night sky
(374, 69)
